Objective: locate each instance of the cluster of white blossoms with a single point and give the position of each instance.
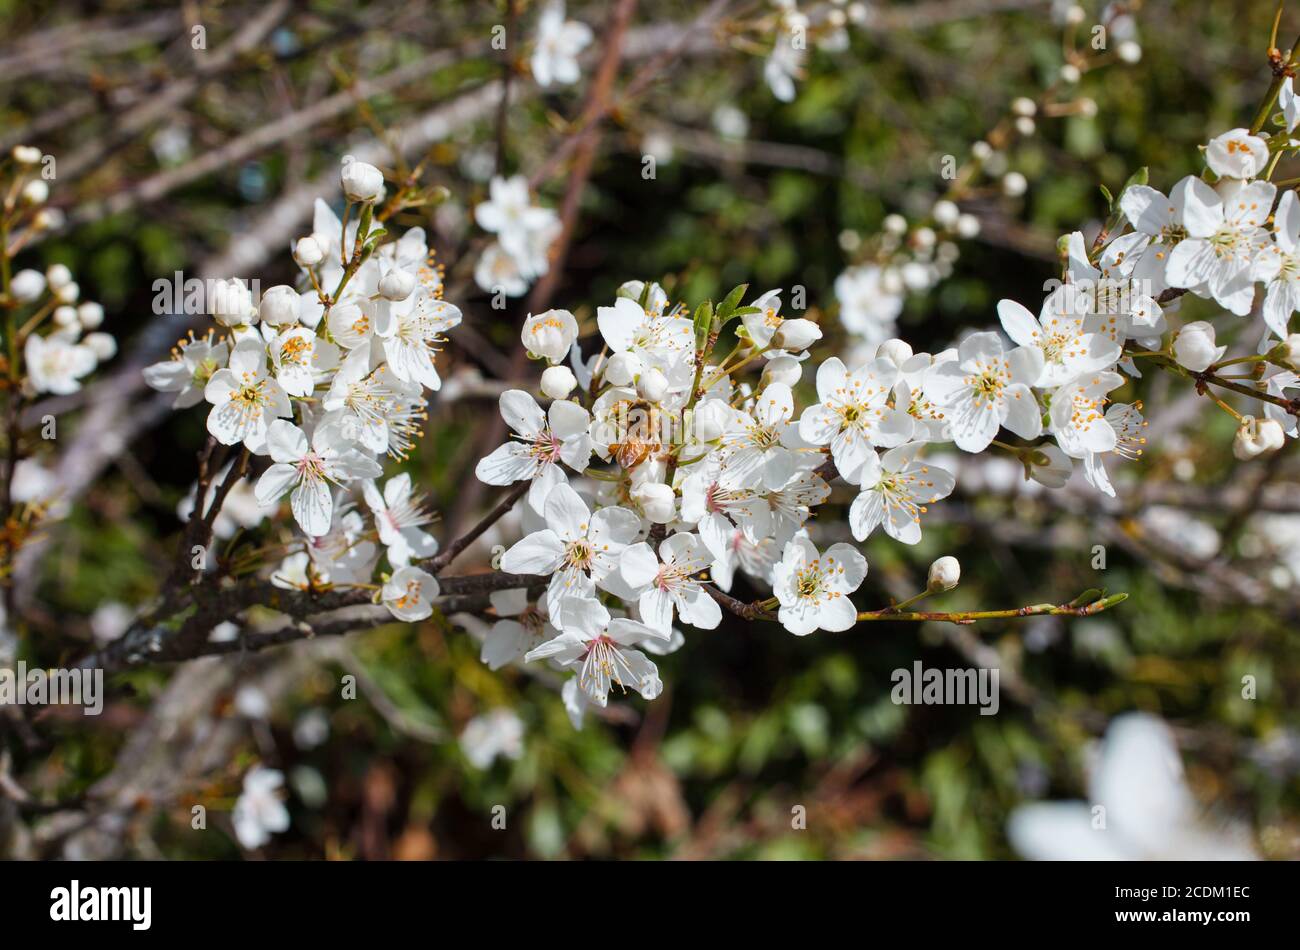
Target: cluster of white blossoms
(524, 235)
(58, 333)
(903, 259)
(327, 378)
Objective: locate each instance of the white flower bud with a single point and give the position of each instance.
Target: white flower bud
(945, 213)
(782, 369)
(1194, 347)
(58, 275)
(657, 501)
(103, 345)
(1014, 184)
(66, 317)
(231, 304)
(551, 334)
(1088, 107)
(1129, 51)
(709, 420)
(68, 293)
(923, 238)
(397, 284)
(1257, 437)
(48, 219)
(968, 226)
(1026, 126)
(1075, 14)
(1024, 106)
(652, 385)
(945, 573)
(26, 154)
(36, 192)
(90, 315)
(896, 351)
(558, 381)
(796, 335)
(981, 151)
(1070, 74)
(895, 224)
(622, 368)
(361, 180)
(308, 252)
(279, 306)
(27, 285)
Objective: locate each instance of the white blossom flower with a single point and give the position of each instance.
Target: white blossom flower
(1225, 244)
(1149, 812)
(561, 435)
(259, 812)
(420, 323)
(1062, 335)
(896, 488)
(409, 593)
(869, 303)
(985, 388)
(665, 342)
(499, 733)
(759, 446)
(521, 627)
(1236, 154)
(1283, 273)
(55, 365)
(510, 214)
(1078, 420)
(853, 414)
(577, 548)
(550, 334)
(813, 589)
(1162, 220)
(559, 41)
(245, 398)
(672, 584)
(499, 270)
(300, 359)
(399, 517)
(307, 470)
(601, 649)
(1127, 422)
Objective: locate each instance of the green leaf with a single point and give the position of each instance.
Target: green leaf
(731, 302)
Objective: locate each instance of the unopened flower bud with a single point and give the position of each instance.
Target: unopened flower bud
(1070, 74)
(968, 226)
(361, 180)
(103, 345)
(27, 285)
(66, 317)
(308, 252)
(48, 219)
(26, 154)
(1129, 51)
(652, 385)
(782, 369)
(622, 368)
(796, 335)
(279, 306)
(231, 304)
(68, 293)
(1024, 106)
(1194, 347)
(1257, 437)
(36, 192)
(896, 351)
(895, 224)
(1014, 184)
(58, 275)
(397, 284)
(945, 213)
(657, 501)
(90, 315)
(709, 420)
(945, 574)
(558, 381)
